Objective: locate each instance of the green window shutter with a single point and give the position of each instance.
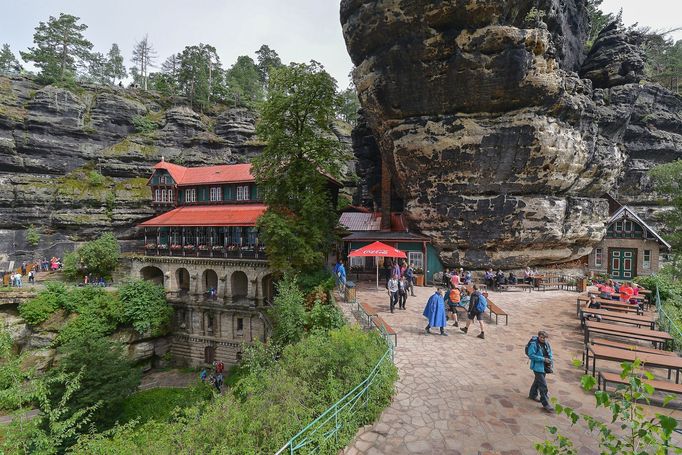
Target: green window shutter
(181, 194)
(226, 193)
(253, 192)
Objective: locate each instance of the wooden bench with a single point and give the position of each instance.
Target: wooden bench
(497, 311)
(367, 311)
(657, 337)
(663, 386)
(383, 327)
(522, 286)
(627, 347)
(645, 320)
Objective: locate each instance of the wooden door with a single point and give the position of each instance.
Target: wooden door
(623, 263)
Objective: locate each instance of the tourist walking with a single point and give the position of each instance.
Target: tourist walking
(409, 274)
(453, 299)
(402, 292)
(539, 352)
(434, 312)
(477, 306)
(341, 274)
(393, 287)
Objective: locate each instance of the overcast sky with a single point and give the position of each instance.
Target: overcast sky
(299, 30)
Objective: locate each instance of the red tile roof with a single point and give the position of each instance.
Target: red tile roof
(213, 215)
(225, 173)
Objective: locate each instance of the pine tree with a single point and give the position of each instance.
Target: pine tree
(200, 75)
(97, 68)
(243, 82)
(114, 66)
(267, 60)
(59, 48)
(144, 56)
(8, 62)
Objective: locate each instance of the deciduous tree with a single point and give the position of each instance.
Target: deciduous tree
(296, 120)
(668, 182)
(60, 47)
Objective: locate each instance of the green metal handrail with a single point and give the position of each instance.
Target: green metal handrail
(665, 323)
(331, 421)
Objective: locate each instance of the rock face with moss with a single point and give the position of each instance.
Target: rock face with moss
(75, 162)
(499, 149)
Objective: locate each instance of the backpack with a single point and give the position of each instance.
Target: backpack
(482, 304)
(531, 341)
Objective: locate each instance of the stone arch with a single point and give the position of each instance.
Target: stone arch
(182, 279)
(209, 280)
(153, 274)
(268, 284)
(240, 285)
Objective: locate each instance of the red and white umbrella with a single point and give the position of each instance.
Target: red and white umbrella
(378, 249)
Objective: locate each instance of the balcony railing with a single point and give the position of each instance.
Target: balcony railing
(231, 252)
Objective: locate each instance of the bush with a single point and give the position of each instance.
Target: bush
(308, 378)
(145, 124)
(145, 307)
(38, 309)
(309, 281)
(32, 236)
(98, 313)
(98, 257)
(324, 317)
(161, 404)
(288, 313)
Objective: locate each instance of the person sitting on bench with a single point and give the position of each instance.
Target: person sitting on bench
(500, 280)
(594, 305)
(512, 279)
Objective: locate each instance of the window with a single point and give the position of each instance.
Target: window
(191, 195)
(627, 226)
(170, 196)
(357, 261)
(243, 193)
(416, 258)
(240, 326)
(163, 179)
(215, 193)
(164, 196)
(598, 257)
(157, 195)
(647, 259)
(619, 226)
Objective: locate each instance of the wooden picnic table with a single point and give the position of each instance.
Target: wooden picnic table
(647, 320)
(623, 355)
(655, 336)
(636, 297)
(613, 305)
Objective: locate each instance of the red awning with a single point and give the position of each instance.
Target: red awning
(378, 249)
(212, 215)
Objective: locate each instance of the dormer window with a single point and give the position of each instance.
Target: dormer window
(163, 179)
(243, 193)
(216, 194)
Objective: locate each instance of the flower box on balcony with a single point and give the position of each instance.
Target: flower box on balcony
(189, 247)
(203, 247)
(217, 248)
(150, 246)
(176, 247)
(163, 246)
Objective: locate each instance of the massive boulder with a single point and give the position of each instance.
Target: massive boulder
(500, 151)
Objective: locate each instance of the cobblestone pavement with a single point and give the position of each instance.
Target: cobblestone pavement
(463, 395)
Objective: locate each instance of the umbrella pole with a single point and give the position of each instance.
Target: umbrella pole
(377, 264)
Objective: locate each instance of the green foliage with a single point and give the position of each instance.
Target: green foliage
(57, 426)
(320, 278)
(145, 307)
(106, 375)
(17, 387)
(598, 20)
(288, 313)
(296, 121)
(114, 68)
(32, 236)
(268, 59)
(324, 317)
(146, 124)
(200, 75)
(534, 17)
(243, 81)
(663, 57)
(8, 62)
(99, 257)
(163, 403)
(96, 179)
(44, 304)
(98, 313)
(272, 404)
(59, 47)
(349, 106)
(639, 434)
(667, 179)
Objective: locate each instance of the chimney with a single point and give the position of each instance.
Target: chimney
(385, 196)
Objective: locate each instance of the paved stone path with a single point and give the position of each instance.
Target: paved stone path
(463, 395)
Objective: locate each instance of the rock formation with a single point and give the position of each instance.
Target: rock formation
(75, 162)
(499, 149)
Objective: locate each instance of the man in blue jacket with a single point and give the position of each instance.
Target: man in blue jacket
(540, 353)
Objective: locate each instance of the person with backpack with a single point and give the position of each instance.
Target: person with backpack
(453, 300)
(539, 352)
(477, 306)
(434, 312)
(409, 274)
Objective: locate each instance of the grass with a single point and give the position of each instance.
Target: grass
(160, 404)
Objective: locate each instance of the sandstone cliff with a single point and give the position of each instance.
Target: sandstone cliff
(499, 149)
(75, 162)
